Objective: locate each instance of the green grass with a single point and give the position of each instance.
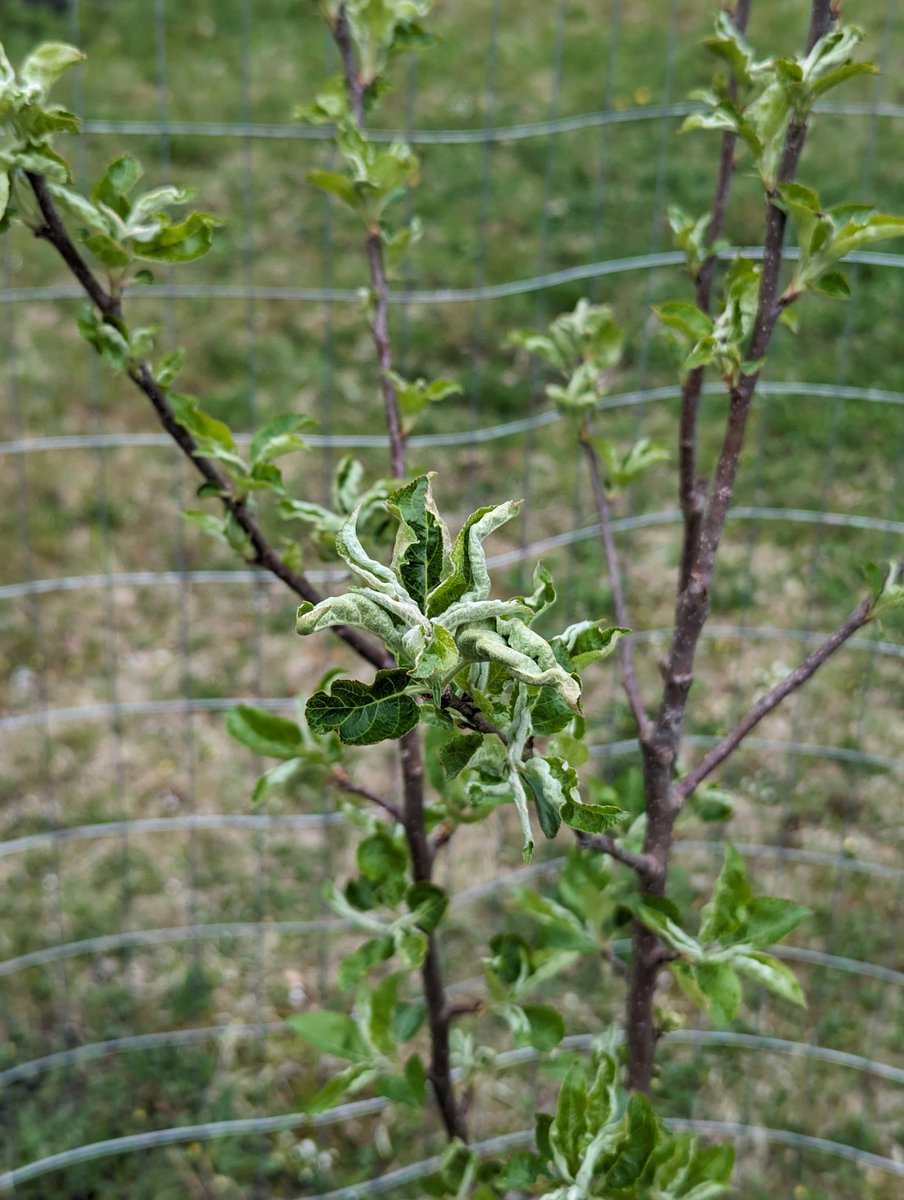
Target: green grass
(541, 208)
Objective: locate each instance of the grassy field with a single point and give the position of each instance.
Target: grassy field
(95, 724)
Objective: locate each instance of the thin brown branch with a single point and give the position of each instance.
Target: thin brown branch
(346, 784)
(54, 231)
(264, 555)
(861, 616)
(641, 864)
(626, 647)
(823, 16)
(410, 751)
(431, 972)
(464, 1008)
(472, 715)
(691, 490)
(354, 85)
(618, 965)
(380, 315)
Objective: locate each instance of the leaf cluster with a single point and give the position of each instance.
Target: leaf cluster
(736, 930)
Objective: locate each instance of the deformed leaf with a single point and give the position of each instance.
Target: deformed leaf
(44, 66)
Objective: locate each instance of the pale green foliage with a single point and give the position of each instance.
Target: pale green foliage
(887, 583)
(736, 930)
(691, 234)
(826, 236)
(584, 347)
(598, 1143)
(502, 701)
(431, 607)
(28, 123)
(719, 341)
(380, 29)
(349, 492)
(415, 395)
(581, 346)
(777, 92)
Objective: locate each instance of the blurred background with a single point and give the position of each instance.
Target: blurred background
(155, 927)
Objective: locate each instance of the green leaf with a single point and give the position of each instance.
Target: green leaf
(770, 919)
(469, 578)
(846, 71)
(729, 44)
(407, 1020)
(169, 367)
(346, 1083)
(833, 284)
(278, 437)
(591, 818)
(546, 1026)
(726, 911)
(363, 714)
(381, 856)
(413, 396)
(4, 193)
(458, 752)
(670, 931)
(686, 318)
(589, 641)
(634, 1155)
(119, 180)
(719, 983)
(350, 609)
(568, 1127)
(712, 804)
(44, 66)
(770, 973)
(107, 340)
(264, 732)
(181, 243)
(428, 904)
(358, 965)
(274, 779)
(521, 1171)
(410, 1088)
(331, 1033)
(421, 557)
(550, 712)
(338, 185)
(108, 250)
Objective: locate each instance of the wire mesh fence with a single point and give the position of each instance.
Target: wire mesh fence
(156, 930)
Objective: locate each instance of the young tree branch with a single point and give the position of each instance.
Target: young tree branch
(660, 752)
(54, 232)
(346, 784)
(861, 616)
(691, 490)
(380, 317)
(641, 864)
(410, 751)
(626, 647)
